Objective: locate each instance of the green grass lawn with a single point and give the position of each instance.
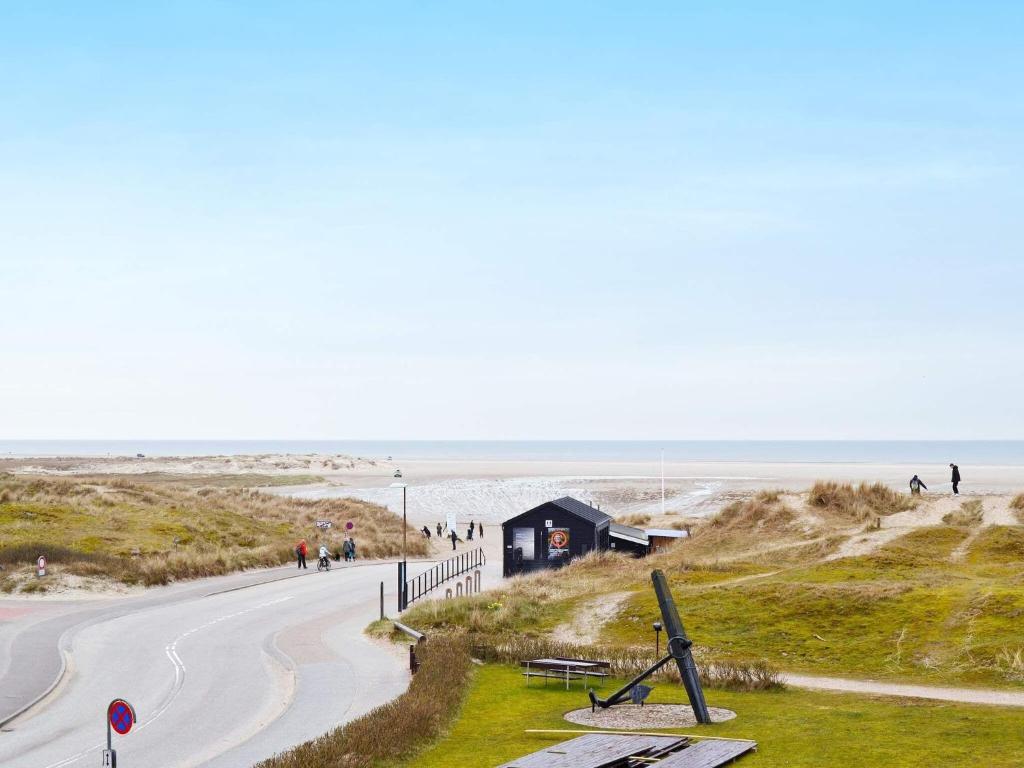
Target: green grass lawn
(793, 728)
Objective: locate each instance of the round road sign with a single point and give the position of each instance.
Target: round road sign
(121, 716)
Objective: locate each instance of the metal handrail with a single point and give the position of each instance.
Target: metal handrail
(428, 581)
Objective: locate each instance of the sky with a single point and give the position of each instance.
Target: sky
(483, 220)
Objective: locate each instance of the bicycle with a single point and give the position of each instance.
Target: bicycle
(323, 564)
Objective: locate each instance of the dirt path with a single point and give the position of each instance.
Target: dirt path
(995, 510)
(904, 690)
(586, 624)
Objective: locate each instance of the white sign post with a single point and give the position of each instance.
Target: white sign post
(41, 566)
(323, 524)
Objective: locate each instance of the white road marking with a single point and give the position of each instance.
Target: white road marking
(171, 650)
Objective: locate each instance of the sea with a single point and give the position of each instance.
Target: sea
(977, 452)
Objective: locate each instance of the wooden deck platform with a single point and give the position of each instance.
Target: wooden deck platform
(598, 750)
(593, 750)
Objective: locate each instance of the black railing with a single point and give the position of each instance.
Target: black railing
(415, 588)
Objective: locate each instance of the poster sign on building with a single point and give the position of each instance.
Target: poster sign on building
(522, 539)
(558, 543)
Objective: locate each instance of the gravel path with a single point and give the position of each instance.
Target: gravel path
(904, 690)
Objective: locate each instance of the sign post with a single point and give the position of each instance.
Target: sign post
(41, 566)
(120, 718)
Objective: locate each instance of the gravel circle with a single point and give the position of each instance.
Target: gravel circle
(633, 717)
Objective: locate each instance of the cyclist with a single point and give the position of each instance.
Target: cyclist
(324, 556)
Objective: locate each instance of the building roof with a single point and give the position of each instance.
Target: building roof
(668, 533)
(578, 508)
(620, 531)
(573, 507)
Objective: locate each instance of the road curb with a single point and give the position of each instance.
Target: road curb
(56, 681)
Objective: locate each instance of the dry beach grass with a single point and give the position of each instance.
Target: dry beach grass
(152, 533)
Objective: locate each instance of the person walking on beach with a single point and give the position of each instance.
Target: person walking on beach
(480, 529)
(469, 534)
(955, 479)
(916, 484)
(439, 530)
(426, 532)
(454, 537)
(300, 552)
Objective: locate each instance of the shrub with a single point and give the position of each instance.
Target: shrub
(630, 661)
(400, 728)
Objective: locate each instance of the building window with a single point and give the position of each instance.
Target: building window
(522, 539)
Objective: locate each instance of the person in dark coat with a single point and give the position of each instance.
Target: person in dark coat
(955, 478)
(469, 533)
(480, 529)
(426, 531)
(439, 530)
(454, 537)
(916, 484)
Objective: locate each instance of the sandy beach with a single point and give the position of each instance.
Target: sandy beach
(490, 491)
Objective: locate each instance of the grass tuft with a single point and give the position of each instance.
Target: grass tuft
(1017, 505)
(858, 503)
(970, 514)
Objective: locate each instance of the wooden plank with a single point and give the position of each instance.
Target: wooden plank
(707, 754)
(593, 750)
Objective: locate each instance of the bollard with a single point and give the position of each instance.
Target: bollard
(458, 589)
(448, 594)
(469, 585)
(414, 663)
(476, 578)
(382, 601)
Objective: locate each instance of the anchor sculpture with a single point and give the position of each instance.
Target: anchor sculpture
(678, 650)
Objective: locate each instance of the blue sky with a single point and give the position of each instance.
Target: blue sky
(485, 220)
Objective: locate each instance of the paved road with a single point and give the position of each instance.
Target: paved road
(218, 678)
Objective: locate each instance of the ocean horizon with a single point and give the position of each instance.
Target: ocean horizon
(992, 452)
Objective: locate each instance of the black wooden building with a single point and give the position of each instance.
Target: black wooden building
(550, 535)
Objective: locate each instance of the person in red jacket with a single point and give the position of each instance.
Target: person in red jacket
(300, 552)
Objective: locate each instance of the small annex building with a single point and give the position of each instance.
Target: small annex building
(550, 535)
(662, 538)
(628, 540)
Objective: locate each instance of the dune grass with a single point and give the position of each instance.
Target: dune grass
(227, 480)
(1017, 505)
(860, 502)
(400, 729)
(903, 612)
(793, 728)
(145, 533)
(971, 513)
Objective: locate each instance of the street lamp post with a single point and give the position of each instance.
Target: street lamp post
(657, 638)
(403, 565)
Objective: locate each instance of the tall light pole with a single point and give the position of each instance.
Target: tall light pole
(403, 566)
(662, 481)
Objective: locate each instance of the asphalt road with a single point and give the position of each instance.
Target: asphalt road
(217, 678)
